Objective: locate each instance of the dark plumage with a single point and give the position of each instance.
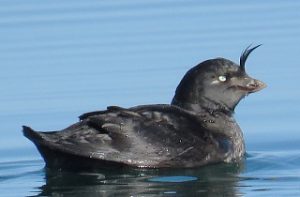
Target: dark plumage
(198, 127)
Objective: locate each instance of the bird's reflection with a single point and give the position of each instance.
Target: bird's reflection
(215, 180)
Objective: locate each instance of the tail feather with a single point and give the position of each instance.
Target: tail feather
(31, 134)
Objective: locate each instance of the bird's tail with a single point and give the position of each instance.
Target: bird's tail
(31, 134)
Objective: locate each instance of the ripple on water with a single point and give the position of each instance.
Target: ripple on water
(16, 169)
(173, 179)
(271, 173)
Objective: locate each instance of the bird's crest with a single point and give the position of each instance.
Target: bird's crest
(245, 55)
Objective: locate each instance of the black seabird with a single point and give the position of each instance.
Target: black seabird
(196, 129)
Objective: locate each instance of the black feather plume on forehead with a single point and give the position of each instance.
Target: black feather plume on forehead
(245, 55)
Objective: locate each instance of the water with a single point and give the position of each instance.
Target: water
(61, 59)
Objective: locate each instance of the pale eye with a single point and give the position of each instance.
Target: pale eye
(222, 78)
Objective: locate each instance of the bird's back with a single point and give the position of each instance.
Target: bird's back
(143, 136)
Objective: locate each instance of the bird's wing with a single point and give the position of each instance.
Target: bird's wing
(150, 136)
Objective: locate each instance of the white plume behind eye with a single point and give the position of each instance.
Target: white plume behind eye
(222, 78)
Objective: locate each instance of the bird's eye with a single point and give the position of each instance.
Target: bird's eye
(222, 78)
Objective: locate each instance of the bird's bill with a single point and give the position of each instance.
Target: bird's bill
(248, 84)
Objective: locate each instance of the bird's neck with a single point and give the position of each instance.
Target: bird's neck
(204, 105)
(218, 118)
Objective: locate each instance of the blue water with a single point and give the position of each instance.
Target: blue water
(59, 59)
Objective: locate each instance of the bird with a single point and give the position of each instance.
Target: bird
(197, 128)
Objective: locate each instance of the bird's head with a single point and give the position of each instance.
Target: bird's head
(216, 83)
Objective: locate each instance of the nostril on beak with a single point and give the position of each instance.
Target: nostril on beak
(252, 85)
